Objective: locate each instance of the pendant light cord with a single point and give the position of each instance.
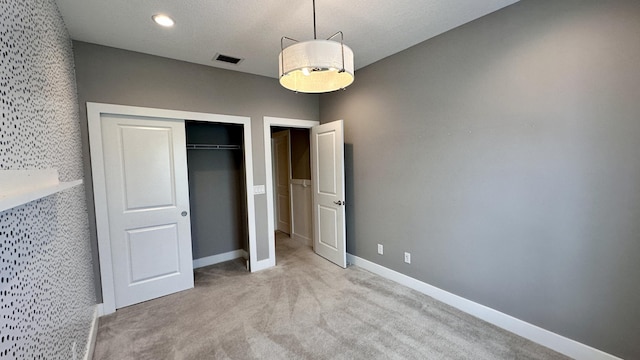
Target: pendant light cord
(314, 20)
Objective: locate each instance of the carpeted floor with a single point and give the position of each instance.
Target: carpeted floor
(304, 308)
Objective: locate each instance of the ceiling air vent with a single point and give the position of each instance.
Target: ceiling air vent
(227, 59)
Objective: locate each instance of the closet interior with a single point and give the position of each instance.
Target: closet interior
(217, 191)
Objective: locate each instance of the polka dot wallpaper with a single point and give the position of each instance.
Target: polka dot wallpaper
(46, 279)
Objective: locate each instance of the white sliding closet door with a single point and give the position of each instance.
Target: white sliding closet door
(148, 202)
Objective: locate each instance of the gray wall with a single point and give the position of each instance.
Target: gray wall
(217, 195)
(504, 155)
(116, 76)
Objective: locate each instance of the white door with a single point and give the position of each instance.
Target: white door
(148, 202)
(282, 171)
(327, 172)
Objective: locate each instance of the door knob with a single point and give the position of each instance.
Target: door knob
(339, 202)
(184, 213)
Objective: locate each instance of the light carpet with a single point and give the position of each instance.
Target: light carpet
(304, 308)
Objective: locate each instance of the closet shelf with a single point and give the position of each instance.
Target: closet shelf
(212, 147)
(18, 187)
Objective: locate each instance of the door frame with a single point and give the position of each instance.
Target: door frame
(94, 114)
(268, 122)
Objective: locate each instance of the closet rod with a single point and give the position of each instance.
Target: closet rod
(212, 147)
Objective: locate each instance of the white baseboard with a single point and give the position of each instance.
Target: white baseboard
(529, 331)
(100, 309)
(302, 238)
(216, 259)
(93, 333)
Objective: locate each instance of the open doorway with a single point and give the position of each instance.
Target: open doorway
(327, 187)
(291, 172)
(217, 192)
(275, 125)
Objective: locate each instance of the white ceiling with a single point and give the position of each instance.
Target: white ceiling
(251, 29)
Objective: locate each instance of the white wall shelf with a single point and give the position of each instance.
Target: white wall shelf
(18, 187)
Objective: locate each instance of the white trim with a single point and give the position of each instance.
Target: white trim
(100, 310)
(93, 333)
(219, 258)
(94, 112)
(529, 331)
(269, 121)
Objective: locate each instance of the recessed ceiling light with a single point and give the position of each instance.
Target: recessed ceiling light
(163, 20)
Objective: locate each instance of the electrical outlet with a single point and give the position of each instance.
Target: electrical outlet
(380, 249)
(407, 258)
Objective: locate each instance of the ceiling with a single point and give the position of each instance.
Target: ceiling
(252, 29)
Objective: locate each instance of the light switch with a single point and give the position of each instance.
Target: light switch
(258, 189)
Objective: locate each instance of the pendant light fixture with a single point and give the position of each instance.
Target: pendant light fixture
(316, 66)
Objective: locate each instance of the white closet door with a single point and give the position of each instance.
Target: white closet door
(327, 172)
(148, 203)
(282, 178)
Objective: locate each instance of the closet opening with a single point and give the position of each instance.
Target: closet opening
(217, 192)
(291, 181)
